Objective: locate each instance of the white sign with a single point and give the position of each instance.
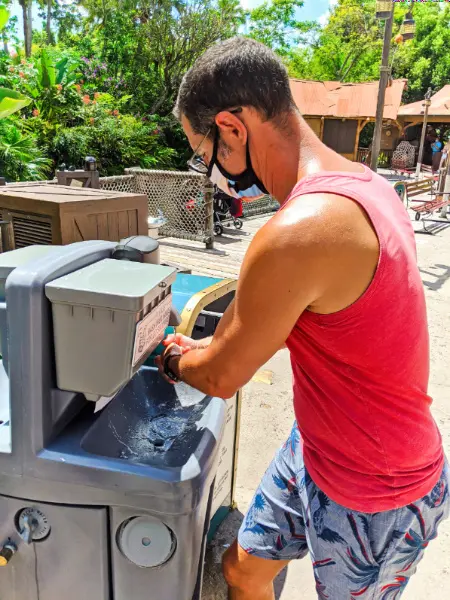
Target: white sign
(225, 468)
(150, 331)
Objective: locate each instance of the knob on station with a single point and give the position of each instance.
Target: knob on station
(6, 553)
(145, 541)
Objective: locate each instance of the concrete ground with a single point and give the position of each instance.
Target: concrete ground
(267, 416)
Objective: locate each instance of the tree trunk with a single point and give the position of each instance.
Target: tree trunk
(30, 23)
(48, 24)
(5, 43)
(27, 25)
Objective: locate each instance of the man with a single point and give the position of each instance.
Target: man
(436, 149)
(362, 482)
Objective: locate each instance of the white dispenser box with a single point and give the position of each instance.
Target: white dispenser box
(15, 258)
(107, 318)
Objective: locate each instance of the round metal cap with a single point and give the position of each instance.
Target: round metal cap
(145, 541)
(40, 527)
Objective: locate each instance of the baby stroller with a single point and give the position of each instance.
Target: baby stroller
(226, 208)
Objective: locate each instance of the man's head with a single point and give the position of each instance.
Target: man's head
(230, 102)
(236, 72)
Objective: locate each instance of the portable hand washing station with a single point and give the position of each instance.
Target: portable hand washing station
(105, 500)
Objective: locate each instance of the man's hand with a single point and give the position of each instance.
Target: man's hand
(183, 344)
(186, 343)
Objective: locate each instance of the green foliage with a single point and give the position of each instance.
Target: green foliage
(158, 40)
(425, 60)
(101, 77)
(20, 157)
(4, 17)
(51, 83)
(50, 80)
(347, 49)
(383, 160)
(274, 23)
(11, 101)
(116, 141)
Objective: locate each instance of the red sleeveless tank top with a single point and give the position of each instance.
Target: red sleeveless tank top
(361, 374)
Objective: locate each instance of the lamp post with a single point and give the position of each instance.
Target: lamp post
(426, 104)
(385, 11)
(384, 76)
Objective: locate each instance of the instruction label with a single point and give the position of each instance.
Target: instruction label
(225, 468)
(150, 331)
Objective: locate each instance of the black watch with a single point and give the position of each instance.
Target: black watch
(166, 367)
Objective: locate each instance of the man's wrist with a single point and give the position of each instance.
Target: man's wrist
(172, 366)
(204, 343)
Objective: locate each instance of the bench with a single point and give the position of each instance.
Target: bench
(407, 190)
(427, 169)
(410, 189)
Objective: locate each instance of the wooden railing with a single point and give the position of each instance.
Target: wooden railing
(385, 157)
(363, 155)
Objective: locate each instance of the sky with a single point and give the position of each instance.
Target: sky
(312, 10)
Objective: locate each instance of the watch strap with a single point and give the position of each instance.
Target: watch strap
(171, 352)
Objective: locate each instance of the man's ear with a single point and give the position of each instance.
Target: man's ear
(232, 129)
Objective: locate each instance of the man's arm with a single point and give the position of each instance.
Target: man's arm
(280, 278)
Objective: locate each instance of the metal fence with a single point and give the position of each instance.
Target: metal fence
(182, 199)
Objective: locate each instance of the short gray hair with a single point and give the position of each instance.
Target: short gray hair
(233, 73)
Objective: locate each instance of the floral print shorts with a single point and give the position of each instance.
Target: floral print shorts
(354, 555)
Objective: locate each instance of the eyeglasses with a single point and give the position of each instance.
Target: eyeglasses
(197, 162)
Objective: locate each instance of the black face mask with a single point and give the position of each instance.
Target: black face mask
(245, 185)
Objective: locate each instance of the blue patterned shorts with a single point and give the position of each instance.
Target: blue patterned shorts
(355, 555)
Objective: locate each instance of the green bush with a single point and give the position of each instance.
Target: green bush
(20, 157)
(383, 160)
(50, 81)
(116, 141)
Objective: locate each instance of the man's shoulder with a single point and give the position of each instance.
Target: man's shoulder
(316, 219)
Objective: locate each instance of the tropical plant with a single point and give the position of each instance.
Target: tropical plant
(4, 17)
(116, 141)
(92, 58)
(11, 102)
(157, 39)
(51, 84)
(383, 160)
(20, 157)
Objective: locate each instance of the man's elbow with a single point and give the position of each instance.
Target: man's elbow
(222, 387)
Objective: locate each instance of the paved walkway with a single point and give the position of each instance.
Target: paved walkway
(267, 409)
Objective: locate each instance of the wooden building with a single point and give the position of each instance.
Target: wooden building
(338, 112)
(411, 115)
